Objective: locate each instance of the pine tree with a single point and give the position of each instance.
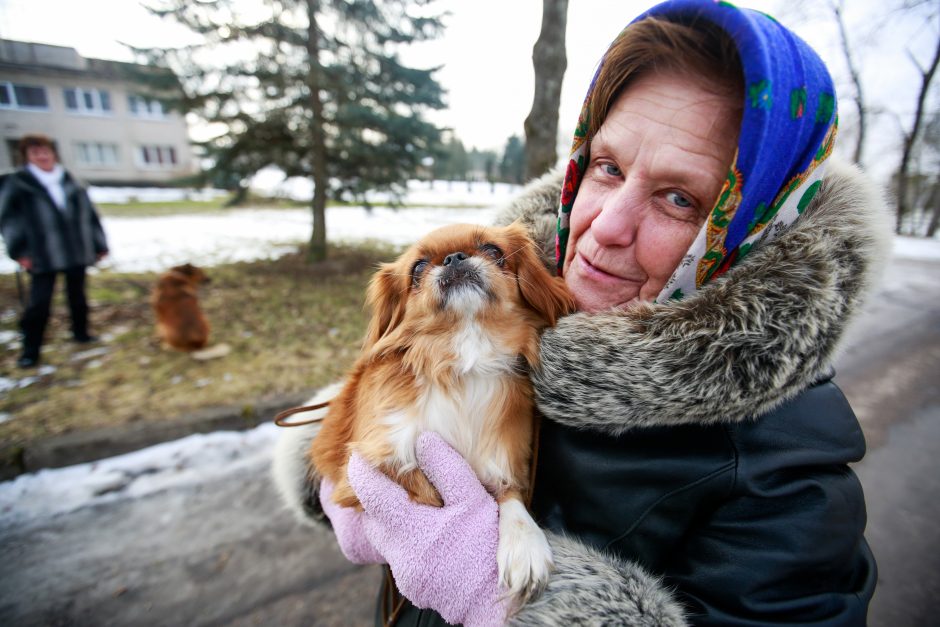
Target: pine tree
(451, 163)
(314, 87)
(512, 166)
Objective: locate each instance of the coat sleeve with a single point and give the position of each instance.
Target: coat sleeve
(591, 587)
(788, 546)
(98, 238)
(12, 225)
(778, 567)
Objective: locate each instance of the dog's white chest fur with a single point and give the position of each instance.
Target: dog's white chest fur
(460, 413)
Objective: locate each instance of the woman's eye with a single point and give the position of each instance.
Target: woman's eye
(494, 252)
(679, 200)
(611, 169)
(416, 270)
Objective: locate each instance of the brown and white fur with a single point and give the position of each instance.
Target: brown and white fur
(454, 331)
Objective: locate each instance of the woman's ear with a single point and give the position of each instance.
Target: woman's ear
(387, 296)
(544, 293)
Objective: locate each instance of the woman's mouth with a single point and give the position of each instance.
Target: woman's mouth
(598, 274)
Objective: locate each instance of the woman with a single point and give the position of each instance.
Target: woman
(49, 225)
(693, 460)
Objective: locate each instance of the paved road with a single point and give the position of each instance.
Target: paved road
(890, 371)
(225, 553)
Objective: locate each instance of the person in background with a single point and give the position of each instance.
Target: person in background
(49, 226)
(693, 461)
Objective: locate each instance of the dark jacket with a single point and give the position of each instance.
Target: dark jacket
(754, 523)
(54, 239)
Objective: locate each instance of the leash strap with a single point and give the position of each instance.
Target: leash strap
(281, 418)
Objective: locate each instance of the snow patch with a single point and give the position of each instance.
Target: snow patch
(189, 461)
(153, 244)
(916, 248)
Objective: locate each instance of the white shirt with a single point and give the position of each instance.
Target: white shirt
(52, 181)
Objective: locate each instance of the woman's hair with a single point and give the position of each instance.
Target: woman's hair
(696, 48)
(35, 140)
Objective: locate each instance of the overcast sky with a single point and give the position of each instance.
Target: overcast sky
(486, 53)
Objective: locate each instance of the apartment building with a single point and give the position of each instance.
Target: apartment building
(106, 128)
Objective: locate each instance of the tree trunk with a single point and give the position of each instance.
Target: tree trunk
(856, 81)
(317, 250)
(550, 62)
(910, 139)
(933, 206)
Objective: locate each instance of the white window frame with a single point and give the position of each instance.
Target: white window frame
(167, 157)
(147, 108)
(82, 95)
(13, 104)
(97, 154)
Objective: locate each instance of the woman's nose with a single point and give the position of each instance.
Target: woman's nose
(616, 223)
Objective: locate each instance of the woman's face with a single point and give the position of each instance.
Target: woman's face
(657, 165)
(42, 157)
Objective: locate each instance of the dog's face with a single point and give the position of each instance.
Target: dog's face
(462, 271)
(192, 274)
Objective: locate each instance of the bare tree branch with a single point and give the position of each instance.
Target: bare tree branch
(837, 7)
(903, 202)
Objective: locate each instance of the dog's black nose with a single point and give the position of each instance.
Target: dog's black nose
(454, 258)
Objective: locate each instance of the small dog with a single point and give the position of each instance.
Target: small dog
(180, 322)
(454, 330)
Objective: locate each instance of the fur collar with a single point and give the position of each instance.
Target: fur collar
(737, 348)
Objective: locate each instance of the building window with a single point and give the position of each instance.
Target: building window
(144, 107)
(18, 96)
(157, 156)
(93, 101)
(96, 154)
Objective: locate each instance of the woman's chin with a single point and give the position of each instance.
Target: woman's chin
(594, 294)
(592, 301)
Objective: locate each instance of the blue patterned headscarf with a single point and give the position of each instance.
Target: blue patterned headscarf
(787, 131)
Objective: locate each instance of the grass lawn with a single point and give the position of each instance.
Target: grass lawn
(138, 209)
(292, 327)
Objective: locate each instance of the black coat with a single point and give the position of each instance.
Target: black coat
(54, 239)
(753, 523)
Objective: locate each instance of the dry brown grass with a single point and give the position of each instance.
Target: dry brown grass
(292, 327)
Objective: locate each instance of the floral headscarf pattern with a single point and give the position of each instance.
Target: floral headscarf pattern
(787, 132)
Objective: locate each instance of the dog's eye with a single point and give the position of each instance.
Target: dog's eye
(417, 270)
(494, 252)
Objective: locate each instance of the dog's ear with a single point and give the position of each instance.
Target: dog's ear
(387, 296)
(546, 294)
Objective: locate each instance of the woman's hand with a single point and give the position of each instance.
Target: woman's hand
(26, 263)
(348, 526)
(443, 558)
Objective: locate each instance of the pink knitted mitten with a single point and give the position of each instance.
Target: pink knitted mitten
(348, 526)
(443, 558)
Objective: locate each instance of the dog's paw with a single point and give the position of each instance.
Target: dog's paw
(524, 557)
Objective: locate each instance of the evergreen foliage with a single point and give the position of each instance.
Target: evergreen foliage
(512, 167)
(314, 87)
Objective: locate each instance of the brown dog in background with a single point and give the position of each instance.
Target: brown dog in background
(180, 322)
